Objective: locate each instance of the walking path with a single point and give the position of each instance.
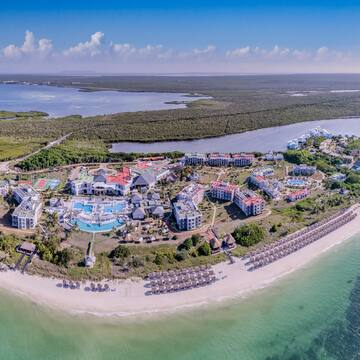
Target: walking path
(7, 166)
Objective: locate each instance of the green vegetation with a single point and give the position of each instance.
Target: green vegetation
(313, 206)
(76, 152)
(323, 162)
(120, 252)
(239, 104)
(204, 249)
(352, 145)
(8, 244)
(21, 114)
(12, 147)
(249, 234)
(63, 257)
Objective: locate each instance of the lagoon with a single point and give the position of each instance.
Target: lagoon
(63, 101)
(262, 140)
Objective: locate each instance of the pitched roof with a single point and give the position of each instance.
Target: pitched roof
(136, 197)
(144, 180)
(158, 210)
(215, 243)
(138, 212)
(99, 178)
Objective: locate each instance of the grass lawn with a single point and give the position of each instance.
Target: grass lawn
(12, 148)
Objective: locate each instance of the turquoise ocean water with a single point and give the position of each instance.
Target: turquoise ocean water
(313, 313)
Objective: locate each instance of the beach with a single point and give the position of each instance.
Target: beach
(131, 298)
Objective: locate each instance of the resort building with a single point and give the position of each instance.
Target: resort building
(271, 188)
(4, 188)
(138, 213)
(187, 215)
(297, 195)
(242, 159)
(217, 159)
(249, 202)
(24, 192)
(185, 210)
(229, 241)
(338, 177)
(195, 159)
(223, 190)
(136, 198)
(101, 183)
(144, 181)
(150, 172)
(264, 171)
(194, 192)
(27, 214)
(271, 156)
(303, 170)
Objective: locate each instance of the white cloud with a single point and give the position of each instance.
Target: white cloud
(91, 47)
(126, 51)
(97, 52)
(301, 54)
(277, 51)
(322, 52)
(43, 47)
(210, 49)
(12, 51)
(239, 52)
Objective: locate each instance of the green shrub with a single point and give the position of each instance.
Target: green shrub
(120, 252)
(196, 238)
(204, 249)
(63, 257)
(249, 234)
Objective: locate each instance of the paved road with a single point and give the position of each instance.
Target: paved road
(5, 166)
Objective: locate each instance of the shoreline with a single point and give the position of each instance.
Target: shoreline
(198, 145)
(130, 300)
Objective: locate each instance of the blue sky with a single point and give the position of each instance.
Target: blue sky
(184, 36)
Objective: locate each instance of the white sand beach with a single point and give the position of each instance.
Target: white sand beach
(130, 296)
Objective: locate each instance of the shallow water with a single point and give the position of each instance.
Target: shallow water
(60, 101)
(313, 313)
(263, 140)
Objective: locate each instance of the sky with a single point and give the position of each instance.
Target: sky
(243, 36)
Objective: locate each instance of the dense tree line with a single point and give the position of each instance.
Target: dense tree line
(238, 105)
(63, 155)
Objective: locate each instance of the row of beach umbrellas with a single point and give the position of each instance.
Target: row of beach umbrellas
(297, 234)
(268, 257)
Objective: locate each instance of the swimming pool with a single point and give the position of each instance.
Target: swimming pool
(93, 228)
(114, 208)
(86, 208)
(296, 182)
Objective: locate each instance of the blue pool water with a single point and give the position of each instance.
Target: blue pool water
(86, 208)
(296, 182)
(117, 207)
(86, 227)
(109, 209)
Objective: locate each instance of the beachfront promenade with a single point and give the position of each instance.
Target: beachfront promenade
(291, 243)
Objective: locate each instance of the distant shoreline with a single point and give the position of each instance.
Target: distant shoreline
(130, 298)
